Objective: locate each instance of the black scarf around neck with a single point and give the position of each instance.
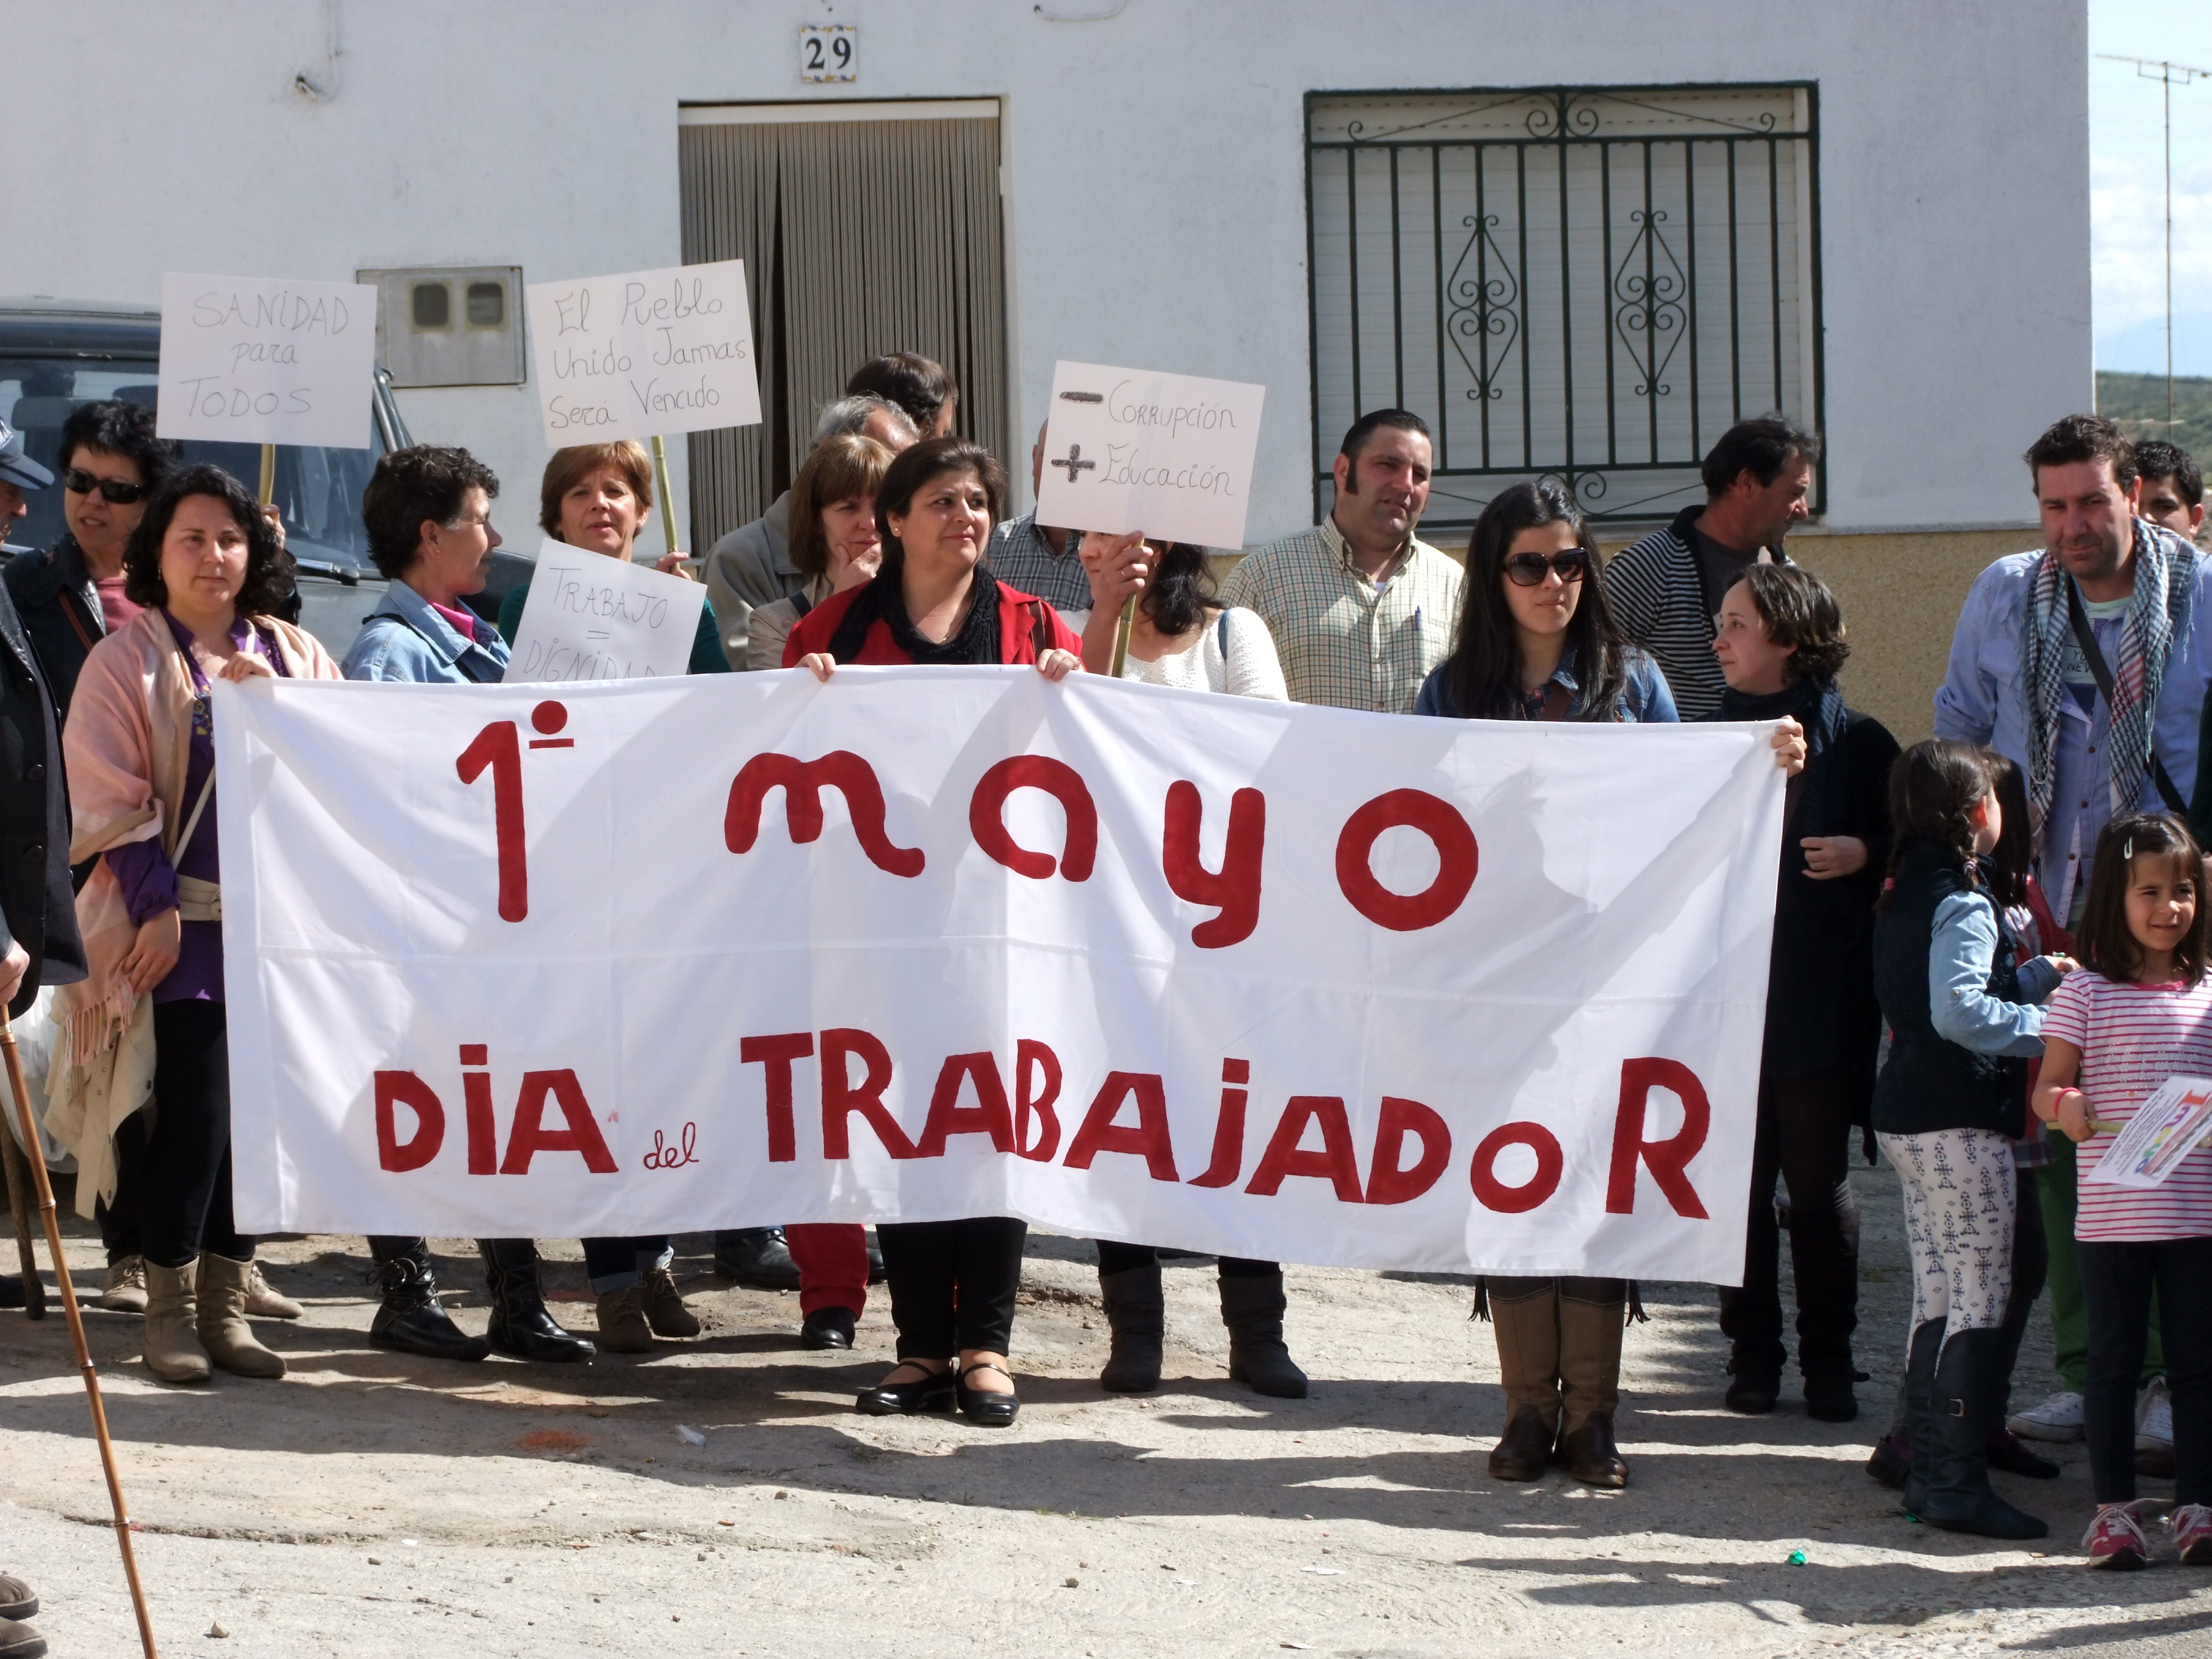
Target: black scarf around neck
(1817, 705)
(883, 600)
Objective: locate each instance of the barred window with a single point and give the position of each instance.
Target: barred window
(1590, 284)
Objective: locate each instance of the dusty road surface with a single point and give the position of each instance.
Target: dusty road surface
(374, 1504)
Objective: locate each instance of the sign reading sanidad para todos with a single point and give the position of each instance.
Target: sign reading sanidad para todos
(258, 361)
(1248, 978)
(1129, 449)
(644, 353)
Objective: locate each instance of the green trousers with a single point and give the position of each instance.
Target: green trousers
(2070, 1317)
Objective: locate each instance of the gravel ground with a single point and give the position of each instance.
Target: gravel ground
(359, 1506)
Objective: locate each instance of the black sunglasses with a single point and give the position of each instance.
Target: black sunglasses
(1528, 570)
(113, 491)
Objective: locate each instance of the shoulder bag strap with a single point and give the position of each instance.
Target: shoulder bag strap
(1040, 629)
(2086, 637)
(192, 822)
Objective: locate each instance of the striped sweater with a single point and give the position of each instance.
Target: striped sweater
(1653, 588)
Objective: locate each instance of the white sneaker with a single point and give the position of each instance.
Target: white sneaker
(2154, 1417)
(2058, 1418)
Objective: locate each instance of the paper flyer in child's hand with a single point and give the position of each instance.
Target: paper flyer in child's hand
(2165, 1129)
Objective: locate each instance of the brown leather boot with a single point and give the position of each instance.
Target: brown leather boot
(1523, 1452)
(220, 1319)
(1524, 1318)
(1592, 1317)
(1588, 1453)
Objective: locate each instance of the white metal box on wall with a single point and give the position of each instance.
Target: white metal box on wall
(450, 325)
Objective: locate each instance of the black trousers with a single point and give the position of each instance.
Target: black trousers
(952, 1283)
(2117, 1280)
(119, 1221)
(1804, 1134)
(1118, 1258)
(184, 1201)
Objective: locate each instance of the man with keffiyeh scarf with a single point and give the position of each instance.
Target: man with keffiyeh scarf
(2019, 683)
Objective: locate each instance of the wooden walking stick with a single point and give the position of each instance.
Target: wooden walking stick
(19, 1204)
(76, 1329)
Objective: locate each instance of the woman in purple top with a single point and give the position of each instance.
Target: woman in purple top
(140, 746)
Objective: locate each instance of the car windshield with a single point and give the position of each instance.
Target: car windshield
(319, 491)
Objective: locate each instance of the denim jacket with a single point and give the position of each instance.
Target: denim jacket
(1644, 697)
(403, 639)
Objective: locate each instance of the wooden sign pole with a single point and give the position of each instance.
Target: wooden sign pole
(37, 1163)
(268, 473)
(667, 494)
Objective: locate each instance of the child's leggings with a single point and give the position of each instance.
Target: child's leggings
(2117, 1276)
(1960, 1199)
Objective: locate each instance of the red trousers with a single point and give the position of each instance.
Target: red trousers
(833, 1265)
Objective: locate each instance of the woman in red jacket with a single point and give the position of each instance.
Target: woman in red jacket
(934, 601)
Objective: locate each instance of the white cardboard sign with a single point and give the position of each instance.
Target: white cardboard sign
(591, 617)
(1131, 449)
(255, 360)
(647, 352)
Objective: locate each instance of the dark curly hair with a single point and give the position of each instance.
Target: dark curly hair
(270, 572)
(412, 486)
(1796, 608)
(2077, 438)
(117, 427)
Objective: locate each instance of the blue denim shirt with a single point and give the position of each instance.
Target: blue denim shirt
(403, 639)
(1961, 949)
(1644, 698)
(1983, 701)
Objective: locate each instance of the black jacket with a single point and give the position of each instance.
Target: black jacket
(1820, 1010)
(38, 908)
(60, 612)
(1929, 1082)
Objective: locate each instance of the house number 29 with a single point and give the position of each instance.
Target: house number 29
(829, 52)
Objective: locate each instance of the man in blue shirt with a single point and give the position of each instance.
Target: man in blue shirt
(2019, 683)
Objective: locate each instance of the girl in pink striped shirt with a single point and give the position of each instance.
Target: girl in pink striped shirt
(2141, 1014)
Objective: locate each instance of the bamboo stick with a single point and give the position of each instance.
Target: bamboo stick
(76, 1326)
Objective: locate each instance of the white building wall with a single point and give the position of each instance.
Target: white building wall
(1154, 170)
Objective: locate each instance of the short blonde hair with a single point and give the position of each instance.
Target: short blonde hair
(570, 467)
(839, 469)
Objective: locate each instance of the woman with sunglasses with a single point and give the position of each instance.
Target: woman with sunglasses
(1537, 642)
(70, 596)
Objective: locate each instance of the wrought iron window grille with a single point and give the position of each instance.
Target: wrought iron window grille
(1582, 283)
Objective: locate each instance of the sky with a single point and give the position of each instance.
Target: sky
(2127, 187)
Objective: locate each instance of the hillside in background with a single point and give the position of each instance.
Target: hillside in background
(2137, 401)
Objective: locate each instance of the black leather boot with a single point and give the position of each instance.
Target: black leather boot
(1137, 1313)
(412, 1319)
(1252, 1309)
(1969, 1391)
(1920, 1409)
(520, 1324)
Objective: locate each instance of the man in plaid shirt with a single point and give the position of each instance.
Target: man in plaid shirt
(1360, 607)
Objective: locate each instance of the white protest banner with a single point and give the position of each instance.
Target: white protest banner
(1169, 454)
(1238, 976)
(254, 360)
(591, 617)
(643, 353)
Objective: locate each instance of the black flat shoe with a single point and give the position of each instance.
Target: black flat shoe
(1830, 1399)
(756, 1256)
(987, 1410)
(932, 1392)
(827, 1327)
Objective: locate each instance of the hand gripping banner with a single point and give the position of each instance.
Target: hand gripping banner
(1243, 977)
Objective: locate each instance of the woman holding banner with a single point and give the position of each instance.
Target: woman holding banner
(208, 568)
(934, 601)
(1536, 641)
(596, 496)
(428, 513)
(1780, 643)
(1178, 636)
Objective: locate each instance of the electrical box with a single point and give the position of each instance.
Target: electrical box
(450, 325)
